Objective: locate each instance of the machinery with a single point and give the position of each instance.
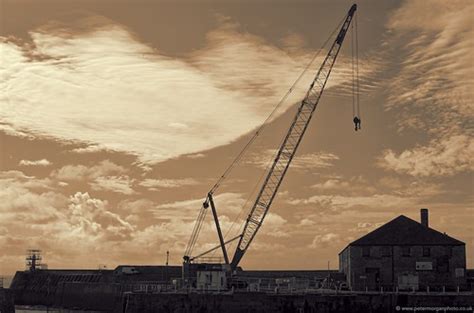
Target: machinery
(273, 178)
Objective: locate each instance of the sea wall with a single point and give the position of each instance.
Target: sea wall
(53, 288)
(88, 296)
(309, 303)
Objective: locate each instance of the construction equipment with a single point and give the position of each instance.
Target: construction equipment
(279, 167)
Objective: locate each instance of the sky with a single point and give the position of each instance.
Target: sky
(117, 118)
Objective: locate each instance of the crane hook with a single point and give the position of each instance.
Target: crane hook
(356, 122)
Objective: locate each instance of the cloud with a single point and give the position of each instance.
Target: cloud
(325, 240)
(82, 172)
(387, 194)
(122, 95)
(196, 156)
(354, 185)
(432, 91)
(27, 199)
(366, 226)
(153, 184)
(314, 160)
(434, 84)
(42, 162)
(340, 202)
(307, 222)
(89, 149)
(119, 184)
(301, 162)
(226, 203)
(105, 176)
(9, 130)
(441, 157)
(274, 226)
(90, 218)
(30, 182)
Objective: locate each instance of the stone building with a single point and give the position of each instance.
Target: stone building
(407, 255)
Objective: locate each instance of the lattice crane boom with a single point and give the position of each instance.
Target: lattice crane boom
(289, 146)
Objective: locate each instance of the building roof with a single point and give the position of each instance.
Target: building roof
(405, 231)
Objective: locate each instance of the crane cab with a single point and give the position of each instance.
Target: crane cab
(206, 276)
(212, 277)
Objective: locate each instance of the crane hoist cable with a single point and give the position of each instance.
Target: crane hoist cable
(357, 119)
(357, 65)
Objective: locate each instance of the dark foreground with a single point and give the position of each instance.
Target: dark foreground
(315, 303)
(115, 292)
(259, 302)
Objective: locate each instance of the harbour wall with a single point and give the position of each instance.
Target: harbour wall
(309, 303)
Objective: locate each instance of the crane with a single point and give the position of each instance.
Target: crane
(280, 165)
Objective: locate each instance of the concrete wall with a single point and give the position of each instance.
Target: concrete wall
(382, 269)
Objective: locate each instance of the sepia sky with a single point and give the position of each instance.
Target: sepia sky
(117, 117)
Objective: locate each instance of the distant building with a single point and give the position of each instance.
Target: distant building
(405, 254)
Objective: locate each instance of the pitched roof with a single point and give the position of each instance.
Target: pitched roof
(405, 231)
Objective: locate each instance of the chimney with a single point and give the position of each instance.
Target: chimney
(424, 217)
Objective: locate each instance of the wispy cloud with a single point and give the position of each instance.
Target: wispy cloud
(354, 185)
(433, 88)
(27, 199)
(123, 95)
(42, 162)
(227, 203)
(82, 172)
(89, 149)
(432, 92)
(445, 157)
(301, 162)
(119, 184)
(339, 202)
(325, 240)
(153, 184)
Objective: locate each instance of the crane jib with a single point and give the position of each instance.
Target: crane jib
(289, 146)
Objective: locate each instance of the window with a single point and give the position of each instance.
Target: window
(365, 251)
(426, 251)
(406, 251)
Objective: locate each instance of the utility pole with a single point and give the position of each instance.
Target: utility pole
(166, 269)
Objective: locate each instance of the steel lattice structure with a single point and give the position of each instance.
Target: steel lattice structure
(290, 145)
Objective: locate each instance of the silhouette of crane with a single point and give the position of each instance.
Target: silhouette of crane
(279, 167)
